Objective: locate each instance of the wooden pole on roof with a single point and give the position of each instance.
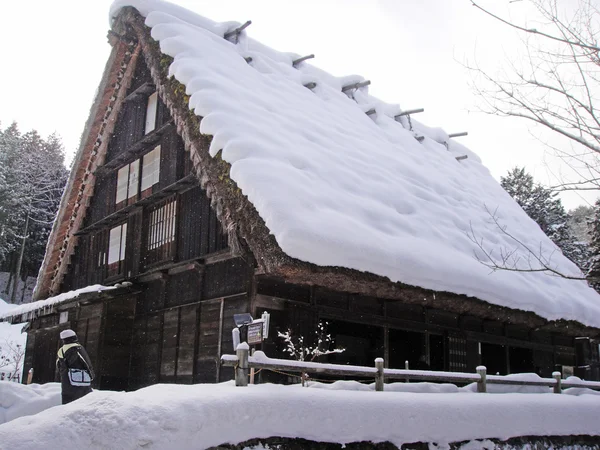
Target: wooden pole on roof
(409, 111)
(304, 58)
(371, 112)
(310, 85)
(453, 135)
(356, 85)
(237, 31)
(460, 158)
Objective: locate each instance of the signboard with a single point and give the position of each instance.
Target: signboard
(255, 333)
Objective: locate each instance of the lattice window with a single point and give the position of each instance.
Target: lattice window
(457, 354)
(161, 229)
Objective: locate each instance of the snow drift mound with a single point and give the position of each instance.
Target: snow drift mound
(202, 416)
(17, 400)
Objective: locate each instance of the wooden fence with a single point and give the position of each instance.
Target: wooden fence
(242, 363)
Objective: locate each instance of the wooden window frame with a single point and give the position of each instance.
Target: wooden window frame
(116, 266)
(130, 185)
(151, 113)
(160, 243)
(150, 171)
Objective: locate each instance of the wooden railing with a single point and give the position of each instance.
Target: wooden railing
(242, 363)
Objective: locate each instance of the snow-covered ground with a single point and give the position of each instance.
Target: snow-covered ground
(12, 344)
(201, 416)
(18, 400)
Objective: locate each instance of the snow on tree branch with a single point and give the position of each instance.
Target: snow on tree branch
(297, 349)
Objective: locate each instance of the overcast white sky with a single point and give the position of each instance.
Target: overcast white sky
(53, 55)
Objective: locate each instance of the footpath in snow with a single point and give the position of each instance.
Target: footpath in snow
(201, 416)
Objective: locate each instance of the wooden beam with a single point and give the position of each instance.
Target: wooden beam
(310, 85)
(409, 111)
(460, 158)
(237, 31)
(420, 138)
(371, 112)
(356, 85)
(453, 135)
(304, 58)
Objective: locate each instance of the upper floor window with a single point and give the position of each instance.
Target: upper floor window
(151, 109)
(151, 168)
(116, 244)
(128, 181)
(161, 228)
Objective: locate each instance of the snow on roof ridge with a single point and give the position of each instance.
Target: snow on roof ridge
(364, 101)
(338, 187)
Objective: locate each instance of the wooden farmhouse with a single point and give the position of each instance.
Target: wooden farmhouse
(217, 176)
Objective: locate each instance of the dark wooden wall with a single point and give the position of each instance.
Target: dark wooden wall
(449, 341)
(183, 323)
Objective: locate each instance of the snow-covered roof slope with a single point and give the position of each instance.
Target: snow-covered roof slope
(27, 308)
(338, 187)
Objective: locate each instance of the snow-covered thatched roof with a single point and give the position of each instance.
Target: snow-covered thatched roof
(324, 183)
(337, 186)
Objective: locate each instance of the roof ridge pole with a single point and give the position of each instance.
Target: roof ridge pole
(463, 133)
(408, 112)
(304, 58)
(237, 31)
(356, 85)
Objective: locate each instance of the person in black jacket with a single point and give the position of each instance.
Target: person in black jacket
(74, 367)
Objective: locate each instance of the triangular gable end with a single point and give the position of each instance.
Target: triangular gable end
(125, 82)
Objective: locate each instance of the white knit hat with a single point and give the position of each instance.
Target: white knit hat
(67, 334)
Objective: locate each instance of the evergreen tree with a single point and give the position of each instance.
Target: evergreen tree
(543, 206)
(593, 273)
(579, 221)
(32, 178)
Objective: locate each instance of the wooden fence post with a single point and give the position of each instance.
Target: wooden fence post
(379, 374)
(30, 376)
(241, 370)
(558, 385)
(481, 384)
(252, 370)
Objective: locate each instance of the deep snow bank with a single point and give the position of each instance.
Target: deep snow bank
(18, 400)
(201, 416)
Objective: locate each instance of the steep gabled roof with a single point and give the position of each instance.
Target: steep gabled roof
(328, 182)
(339, 187)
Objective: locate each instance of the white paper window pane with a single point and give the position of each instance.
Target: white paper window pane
(151, 112)
(122, 176)
(171, 226)
(156, 164)
(123, 242)
(151, 168)
(134, 171)
(114, 245)
(64, 317)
